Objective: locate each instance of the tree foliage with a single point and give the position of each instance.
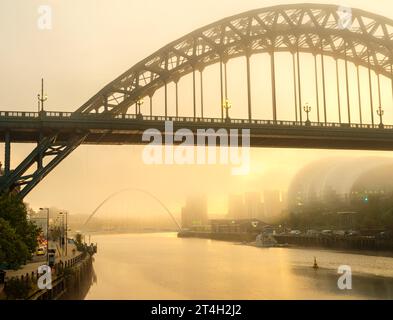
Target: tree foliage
(18, 236)
(55, 233)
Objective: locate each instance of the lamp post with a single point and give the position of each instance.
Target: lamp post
(66, 230)
(307, 110)
(61, 238)
(41, 98)
(380, 113)
(54, 228)
(47, 232)
(138, 104)
(227, 105)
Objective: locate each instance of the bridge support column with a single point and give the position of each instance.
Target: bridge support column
(359, 95)
(222, 91)
(194, 91)
(151, 104)
(166, 99)
(379, 91)
(370, 87)
(7, 153)
(316, 85)
(338, 92)
(347, 85)
(391, 75)
(299, 85)
(273, 78)
(177, 97)
(201, 76)
(323, 83)
(226, 79)
(249, 86)
(294, 83)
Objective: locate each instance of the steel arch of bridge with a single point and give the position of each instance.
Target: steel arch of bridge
(310, 28)
(297, 28)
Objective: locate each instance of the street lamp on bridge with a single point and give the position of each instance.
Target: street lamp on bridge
(227, 105)
(307, 110)
(138, 104)
(380, 113)
(41, 97)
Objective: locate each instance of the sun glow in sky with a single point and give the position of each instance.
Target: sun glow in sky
(94, 41)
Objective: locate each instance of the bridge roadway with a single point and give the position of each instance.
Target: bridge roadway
(27, 127)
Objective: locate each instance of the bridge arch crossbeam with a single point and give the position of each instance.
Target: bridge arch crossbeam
(309, 28)
(305, 28)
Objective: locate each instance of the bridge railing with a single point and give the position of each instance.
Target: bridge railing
(49, 115)
(19, 114)
(59, 114)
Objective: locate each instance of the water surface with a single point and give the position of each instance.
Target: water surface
(162, 266)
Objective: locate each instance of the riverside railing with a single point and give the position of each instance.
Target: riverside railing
(57, 270)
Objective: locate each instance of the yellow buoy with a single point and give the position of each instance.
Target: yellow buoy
(315, 266)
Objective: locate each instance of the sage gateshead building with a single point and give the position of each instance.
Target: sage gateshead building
(331, 181)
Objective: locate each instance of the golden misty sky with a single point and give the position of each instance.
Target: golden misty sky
(94, 41)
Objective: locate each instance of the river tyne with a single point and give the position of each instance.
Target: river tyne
(160, 266)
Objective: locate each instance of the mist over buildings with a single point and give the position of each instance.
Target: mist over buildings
(322, 180)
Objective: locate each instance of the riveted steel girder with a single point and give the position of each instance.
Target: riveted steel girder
(312, 28)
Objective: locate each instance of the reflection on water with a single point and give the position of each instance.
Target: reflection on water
(79, 286)
(364, 286)
(162, 266)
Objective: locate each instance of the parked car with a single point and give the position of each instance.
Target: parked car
(295, 232)
(313, 232)
(40, 251)
(327, 232)
(385, 235)
(353, 233)
(339, 233)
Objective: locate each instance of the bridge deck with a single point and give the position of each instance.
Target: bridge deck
(26, 127)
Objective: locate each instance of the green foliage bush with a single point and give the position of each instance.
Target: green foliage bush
(18, 236)
(13, 251)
